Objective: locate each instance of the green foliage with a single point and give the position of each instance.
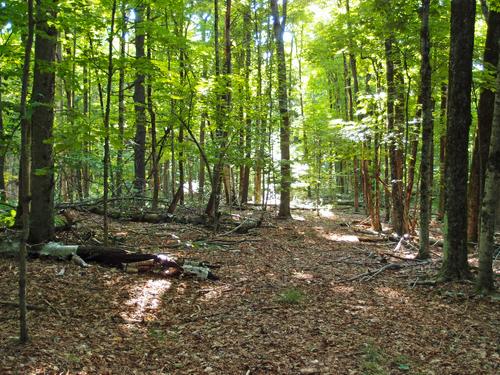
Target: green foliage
(291, 296)
(7, 216)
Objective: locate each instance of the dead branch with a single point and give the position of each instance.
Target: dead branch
(367, 276)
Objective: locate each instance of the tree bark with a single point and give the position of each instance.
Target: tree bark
(286, 178)
(442, 149)
(3, 150)
(121, 106)
(245, 181)
(222, 110)
(139, 105)
(24, 196)
(42, 99)
(427, 132)
(455, 265)
(485, 281)
(107, 158)
(484, 125)
(155, 169)
(394, 123)
(261, 126)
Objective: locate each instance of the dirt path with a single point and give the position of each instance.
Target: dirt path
(281, 307)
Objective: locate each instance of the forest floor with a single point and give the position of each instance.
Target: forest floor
(283, 305)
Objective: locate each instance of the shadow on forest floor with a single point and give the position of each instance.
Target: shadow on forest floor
(282, 306)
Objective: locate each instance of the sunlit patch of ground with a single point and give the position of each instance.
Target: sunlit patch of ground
(300, 275)
(146, 299)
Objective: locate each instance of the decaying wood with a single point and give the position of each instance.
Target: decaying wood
(371, 274)
(367, 276)
(245, 226)
(161, 264)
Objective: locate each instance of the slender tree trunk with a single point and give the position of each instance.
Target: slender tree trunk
(427, 133)
(442, 149)
(121, 105)
(258, 181)
(3, 149)
(455, 265)
(139, 105)
(42, 173)
(412, 163)
(85, 166)
(245, 181)
(24, 196)
(286, 178)
(166, 178)
(485, 281)
(222, 110)
(107, 158)
(395, 120)
(376, 224)
(155, 170)
(201, 172)
(485, 117)
(355, 172)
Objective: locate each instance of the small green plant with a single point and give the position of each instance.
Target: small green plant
(373, 360)
(291, 296)
(402, 362)
(157, 334)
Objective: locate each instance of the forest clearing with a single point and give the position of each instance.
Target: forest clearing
(283, 305)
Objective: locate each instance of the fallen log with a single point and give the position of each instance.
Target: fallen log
(130, 262)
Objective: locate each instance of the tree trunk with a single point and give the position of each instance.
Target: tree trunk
(259, 154)
(139, 106)
(42, 173)
(355, 172)
(86, 103)
(24, 196)
(107, 158)
(455, 265)
(485, 281)
(427, 133)
(286, 178)
(121, 106)
(394, 123)
(222, 110)
(3, 149)
(245, 181)
(201, 172)
(484, 120)
(155, 170)
(442, 149)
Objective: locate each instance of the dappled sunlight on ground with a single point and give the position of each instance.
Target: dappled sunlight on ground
(213, 292)
(342, 289)
(288, 302)
(300, 275)
(392, 294)
(146, 299)
(327, 214)
(336, 237)
(340, 237)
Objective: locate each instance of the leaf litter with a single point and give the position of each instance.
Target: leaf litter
(283, 305)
